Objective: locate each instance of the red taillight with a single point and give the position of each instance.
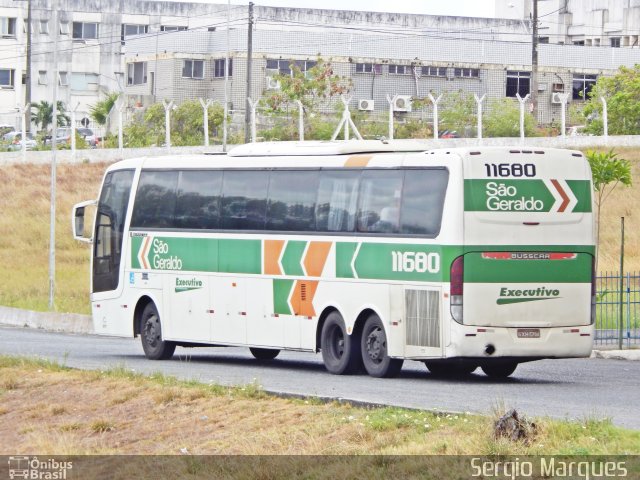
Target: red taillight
(457, 276)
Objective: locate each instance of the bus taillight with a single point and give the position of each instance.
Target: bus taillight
(457, 288)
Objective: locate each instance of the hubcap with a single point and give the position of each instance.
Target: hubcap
(152, 331)
(376, 345)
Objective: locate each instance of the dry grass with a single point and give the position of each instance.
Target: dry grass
(93, 416)
(24, 222)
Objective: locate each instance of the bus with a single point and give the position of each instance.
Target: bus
(370, 252)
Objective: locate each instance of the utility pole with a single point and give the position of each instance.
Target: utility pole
(534, 61)
(27, 87)
(247, 108)
(54, 135)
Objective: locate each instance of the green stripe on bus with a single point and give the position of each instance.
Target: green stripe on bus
(292, 257)
(482, 270)
(582, 190)
(281, 292)
(344, 255)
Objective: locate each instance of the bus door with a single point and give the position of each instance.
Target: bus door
(107, 247)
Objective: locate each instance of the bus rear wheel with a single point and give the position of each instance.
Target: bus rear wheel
(151, 335)
(375, 356)
(340, 351)
(264, 353)
(499, 370)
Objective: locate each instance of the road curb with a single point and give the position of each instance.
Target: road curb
(51, 321)
(616, 354)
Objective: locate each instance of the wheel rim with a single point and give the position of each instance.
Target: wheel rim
(337, 342)
(376, 345)
(152, 331)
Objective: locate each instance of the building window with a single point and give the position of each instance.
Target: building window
(283, 67)
(63, 79)
(434, 71)
(6, 77)
(137, 73)
(64, 28)
(579, 43)
(172, 28)
(582, 85)
(399, 69)
(543, 40)
(85, 31)
(44, 27)
(374, 68)
(466, 72)
(615, 42)
(42, 77)
(518, 83)
(218, 67)
(193, 69)
(83, 82)
(129, 30)
(7, 27)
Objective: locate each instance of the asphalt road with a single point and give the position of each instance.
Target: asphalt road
(573, 388)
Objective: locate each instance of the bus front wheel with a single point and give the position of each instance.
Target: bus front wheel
(151, 335)
(500, 370)
(340, 351)
(375, 356)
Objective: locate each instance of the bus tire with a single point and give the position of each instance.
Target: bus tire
(340, 351)
(264, 353)
(375, 356)
(500, 370)
(151, 335)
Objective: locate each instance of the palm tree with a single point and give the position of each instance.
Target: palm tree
(43, 115)
(100, 111)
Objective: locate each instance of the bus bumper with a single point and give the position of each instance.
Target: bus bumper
(530, 343)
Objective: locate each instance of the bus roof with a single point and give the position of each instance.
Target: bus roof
(339, 147)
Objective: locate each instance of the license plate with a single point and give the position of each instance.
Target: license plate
(528, 333)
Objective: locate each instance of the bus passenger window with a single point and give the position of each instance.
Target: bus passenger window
(379, 202)
(155, 200)
(337, 197)
(244, 201)
(423, 201)
(198, 199)
(292, 200)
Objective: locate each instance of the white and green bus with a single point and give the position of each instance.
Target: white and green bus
(369, 252)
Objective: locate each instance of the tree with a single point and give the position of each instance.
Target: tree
(608, 171)
(503, 120)
(622, 93)
(317, 84)
(458, 112)
(187, 121)
(43, 115)
(100, 110)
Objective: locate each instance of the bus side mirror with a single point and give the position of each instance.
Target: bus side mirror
(77, 221)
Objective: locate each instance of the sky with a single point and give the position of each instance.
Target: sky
(463, 8)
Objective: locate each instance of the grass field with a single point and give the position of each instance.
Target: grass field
(24, 223)
(49, 409)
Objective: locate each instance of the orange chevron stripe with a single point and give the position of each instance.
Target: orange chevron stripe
(272, 251)
(565, 198)
(302, 297)
(355, 161)
(145, 253)
(316, 257)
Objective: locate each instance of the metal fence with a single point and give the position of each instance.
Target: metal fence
(618, 309)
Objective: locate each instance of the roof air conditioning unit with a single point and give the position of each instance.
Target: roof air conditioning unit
(402, 103)
(556, 97)
(272, 83)
(365, 105)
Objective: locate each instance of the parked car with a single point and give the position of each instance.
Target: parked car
(449, 134)
(16, 142)
(88, 136)
(4, 129)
